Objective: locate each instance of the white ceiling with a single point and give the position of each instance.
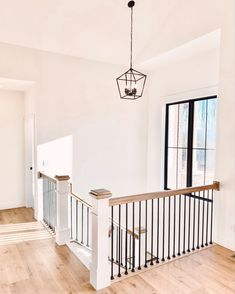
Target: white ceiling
(99, 29)
(201, 45)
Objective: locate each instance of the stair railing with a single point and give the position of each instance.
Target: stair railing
(49, 200)
(169, 224)
(80, 220)
(53, 203)
(130, 233)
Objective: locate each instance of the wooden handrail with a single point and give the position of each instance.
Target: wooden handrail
(42, 175)
(78, 198)
(129, 232)
(161, 194)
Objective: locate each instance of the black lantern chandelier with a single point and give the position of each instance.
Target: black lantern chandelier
(131, 83)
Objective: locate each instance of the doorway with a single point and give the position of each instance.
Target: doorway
(12, 149)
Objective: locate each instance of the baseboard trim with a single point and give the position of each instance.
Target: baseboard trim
(10, 205)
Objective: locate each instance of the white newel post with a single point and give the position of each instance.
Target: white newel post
(62, 226)
(100, 266)
(38, 209)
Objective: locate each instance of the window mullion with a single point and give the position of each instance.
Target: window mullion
(166, 148)
(190, 144)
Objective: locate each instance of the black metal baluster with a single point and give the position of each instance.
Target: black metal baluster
(151, 263)
(203, 212)
(207, 217)
(133, 231)
(82, 223)
(212, 203)
(189, 221)
(184, 225)
(119, 241)
(112, 277)
(130, 257)
(158, 228)
(198, 225)
(174, 228)
(139, 268)
(121, 246)
(88, 227)
(126, 272)
(179, 226)
(76, 220)
(117, 245)
(169, 229)
(163, 229)
(146, 231)
(194, 220)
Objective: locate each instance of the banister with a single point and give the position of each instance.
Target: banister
(129, 232)
(78, 198)
(161, 194)
(42, 175)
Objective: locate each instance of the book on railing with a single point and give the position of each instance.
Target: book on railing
(101, 193)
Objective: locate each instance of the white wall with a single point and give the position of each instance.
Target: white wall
(56, 157)
(179, 80)
(185, 21)
(208, 73)
(225, 163)
(79, 98)
(12, 149)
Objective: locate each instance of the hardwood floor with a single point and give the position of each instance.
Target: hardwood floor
(16, 215)
(43, 267)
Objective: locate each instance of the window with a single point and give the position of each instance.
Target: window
(190, 136)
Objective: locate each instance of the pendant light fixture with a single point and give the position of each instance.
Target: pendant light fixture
(131, 83)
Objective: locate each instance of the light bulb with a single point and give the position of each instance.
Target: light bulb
(131, 91)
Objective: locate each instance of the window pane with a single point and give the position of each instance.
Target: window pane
(182, 168)
(199, 124)
(211, 124)
(173, 122)
(204, 138)
(210, 166)
(198, 167)
(183, 125)
(172, 159)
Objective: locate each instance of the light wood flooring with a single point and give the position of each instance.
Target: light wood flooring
(41, 266)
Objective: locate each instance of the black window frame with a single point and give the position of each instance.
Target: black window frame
(191, 102)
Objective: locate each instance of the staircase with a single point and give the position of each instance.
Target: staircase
(22, 232)
(117, 237)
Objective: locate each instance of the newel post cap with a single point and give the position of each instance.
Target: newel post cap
(100, 194)
(217, 185)
(62, 178)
